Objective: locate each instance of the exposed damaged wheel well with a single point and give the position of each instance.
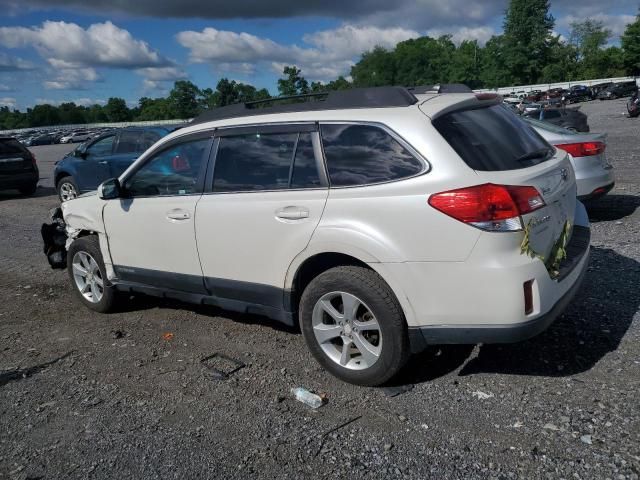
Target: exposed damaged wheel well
(314, 266)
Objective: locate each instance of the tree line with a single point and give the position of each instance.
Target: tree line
(527, 52)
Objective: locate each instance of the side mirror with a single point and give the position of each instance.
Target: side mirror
(80, 152)
(110, 189)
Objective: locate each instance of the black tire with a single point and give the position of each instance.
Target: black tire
(66, 180)
(369, 287)
(90, 245)
(29, 189)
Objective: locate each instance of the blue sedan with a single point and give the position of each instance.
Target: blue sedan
(103, 157)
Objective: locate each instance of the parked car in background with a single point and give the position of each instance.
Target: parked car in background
(105, 156)
(76, 137)
(577, 93)
(597, 88)
(594, 174)
(618, 90)
(380, 220)
(633, 105)
(569, 118)
(554, 93)
(41, 140)
(18, 168)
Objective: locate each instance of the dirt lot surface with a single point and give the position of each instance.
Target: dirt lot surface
(84, 395)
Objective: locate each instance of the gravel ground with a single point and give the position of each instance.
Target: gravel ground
(84, 395)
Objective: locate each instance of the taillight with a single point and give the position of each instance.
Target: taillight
(489, 207)
(583, 149)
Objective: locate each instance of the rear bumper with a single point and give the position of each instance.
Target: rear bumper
(420, 337)
(18, 180)
(592, 176)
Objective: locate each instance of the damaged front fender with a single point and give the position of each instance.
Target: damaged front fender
(55, 239)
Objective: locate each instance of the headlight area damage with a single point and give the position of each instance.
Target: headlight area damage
(55, 238)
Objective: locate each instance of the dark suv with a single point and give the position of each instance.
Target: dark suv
(617, 90)
(103, 157)
(569, 118)
(18, 169)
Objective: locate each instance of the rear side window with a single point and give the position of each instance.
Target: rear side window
(11, 147)
(146, 140)
(365, 154)
(254, 162)
(128, 142)
(305, 169)
(493, 139)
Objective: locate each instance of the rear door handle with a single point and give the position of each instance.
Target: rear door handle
(292, 213)
(178, 214)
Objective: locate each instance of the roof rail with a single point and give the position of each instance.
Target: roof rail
(374, 97)
(440, 88)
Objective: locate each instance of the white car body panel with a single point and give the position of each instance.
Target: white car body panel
(442, 271)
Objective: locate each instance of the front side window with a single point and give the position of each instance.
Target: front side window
(146, 140)
(254, 162)
(102, 147)
(172, 171)
(365, 154)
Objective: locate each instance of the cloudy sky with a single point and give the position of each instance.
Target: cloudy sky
(61, 50)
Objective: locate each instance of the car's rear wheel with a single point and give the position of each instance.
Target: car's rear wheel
(354, 326)
(88, 275)
(67, 189)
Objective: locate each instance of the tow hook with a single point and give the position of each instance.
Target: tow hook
(54, 236)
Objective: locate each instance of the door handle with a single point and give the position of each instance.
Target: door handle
(292, 213)
(103, 162)
(178, 215)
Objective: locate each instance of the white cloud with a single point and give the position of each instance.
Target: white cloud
(162, 73)
(615, 23)
(459, 34)
(8, 102)
(10, 64)
(71, 79)
(68, 45)
(5, 88)
(83, 102)
(330, 52)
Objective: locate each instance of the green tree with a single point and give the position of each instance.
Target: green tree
(293, 83)
(630, 42)
(339, 83)
(375, 68)
(465, 64)
(183, 99)
(527, 37)
(562, 64)
(493, 70)
(116, 110)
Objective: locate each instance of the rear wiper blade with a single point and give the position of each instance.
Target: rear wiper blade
(540, 153)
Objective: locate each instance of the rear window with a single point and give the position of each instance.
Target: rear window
(493, 139)
(11, 147)
(365, 154)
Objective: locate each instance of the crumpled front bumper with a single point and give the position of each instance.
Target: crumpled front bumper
(54, 236)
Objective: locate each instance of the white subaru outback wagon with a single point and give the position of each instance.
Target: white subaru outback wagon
(380, 220)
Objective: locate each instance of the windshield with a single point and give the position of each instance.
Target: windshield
(493, 139)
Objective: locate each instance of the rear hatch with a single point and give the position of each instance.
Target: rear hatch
(14, 158)
(502, 149)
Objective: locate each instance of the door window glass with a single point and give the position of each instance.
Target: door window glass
(305, 168)
(173, 171)
(128, 142)
(365, 154)
(254, 162)
(102, 147)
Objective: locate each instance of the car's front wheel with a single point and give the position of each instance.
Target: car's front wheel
(67, 189)
(88, 275)
(354, 325)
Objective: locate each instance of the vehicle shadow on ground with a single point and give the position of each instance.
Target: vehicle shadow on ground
(612, 207)
(16, 195)
(593, 325)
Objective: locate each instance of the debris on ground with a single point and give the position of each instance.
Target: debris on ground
(586, 439)
(305, 396)
(481, 395)
(220, 366)
(116, 334)
(167, 336)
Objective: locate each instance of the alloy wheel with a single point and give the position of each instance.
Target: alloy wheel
(87, 276)
(68, 191)
(347, 330)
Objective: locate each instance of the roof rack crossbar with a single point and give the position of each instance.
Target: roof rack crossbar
(374, 97)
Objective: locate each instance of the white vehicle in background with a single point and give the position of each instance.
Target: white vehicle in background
(76, 137)
(380, 220)
(594, 174)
